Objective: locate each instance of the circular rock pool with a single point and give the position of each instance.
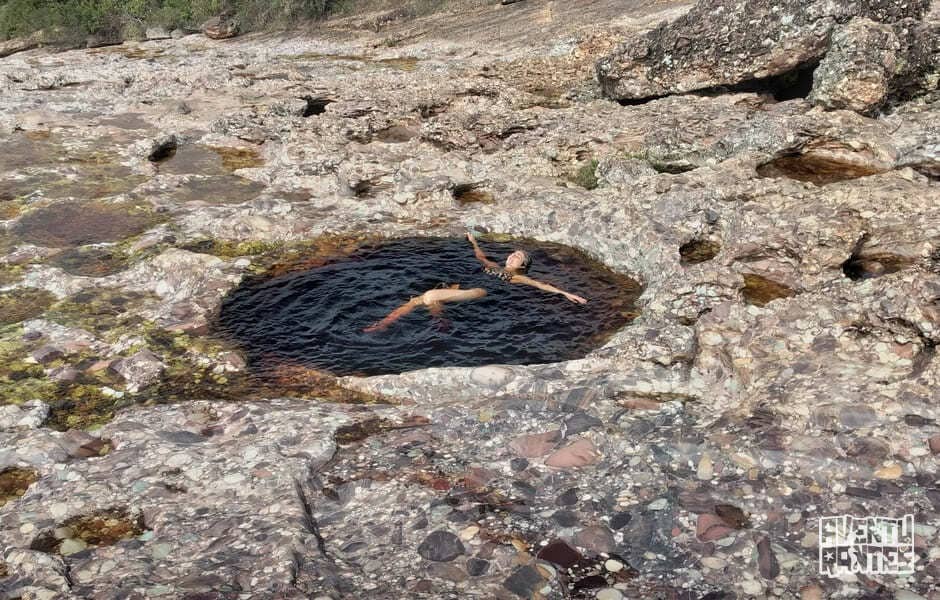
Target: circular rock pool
(315, 318)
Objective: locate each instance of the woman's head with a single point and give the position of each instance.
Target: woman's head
(518, 261)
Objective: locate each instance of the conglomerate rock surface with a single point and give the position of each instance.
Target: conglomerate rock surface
(783, 367)
(863, 52)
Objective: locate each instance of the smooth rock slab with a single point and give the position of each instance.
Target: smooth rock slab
(441, 546)
(596, 539)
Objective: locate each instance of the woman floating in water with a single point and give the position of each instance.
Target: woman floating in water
(517, 265)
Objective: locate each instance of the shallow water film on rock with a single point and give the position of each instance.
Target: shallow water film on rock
(198, 221)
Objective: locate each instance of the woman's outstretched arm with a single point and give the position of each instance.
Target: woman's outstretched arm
(526, 280)
(479, 253)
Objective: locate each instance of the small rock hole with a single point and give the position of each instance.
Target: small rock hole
(14, 482)
(470, 193)
(367, 188)
(163, 150)
(698, 251)
(869, 265)
(857, 268)
(100, 528)
(792, 84)
(759, 290)
(813, 169)
(316, 106)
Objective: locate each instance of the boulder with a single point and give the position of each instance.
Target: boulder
(732, 42)
(100, 39)
(220, 28)
(21, 44)
(856, 71)
(157, 33)
(869, 62)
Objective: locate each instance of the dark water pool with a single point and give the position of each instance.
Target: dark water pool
(315, 318)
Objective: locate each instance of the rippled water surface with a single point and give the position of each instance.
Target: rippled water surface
(315, 318)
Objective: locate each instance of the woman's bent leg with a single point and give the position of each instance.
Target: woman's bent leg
(396, 314)
(433, 299)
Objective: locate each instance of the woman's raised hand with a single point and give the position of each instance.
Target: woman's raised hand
(576, 298)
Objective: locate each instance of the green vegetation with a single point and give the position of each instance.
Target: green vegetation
(586, 176)
(71, 21)
(65, 21)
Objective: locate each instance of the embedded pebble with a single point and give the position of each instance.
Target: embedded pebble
(441, 546)
(613, 566)
(892, 471)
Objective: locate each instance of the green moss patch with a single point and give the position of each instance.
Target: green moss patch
(586, 175)
(80, 407)
(228, 249)
(108, 313)
(91, 262)
(22, 304)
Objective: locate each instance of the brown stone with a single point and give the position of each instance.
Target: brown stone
(560, 553)
(220, 28)
(934, 444)
(732, 515)
(79, 444)
(21, 44)
(596, 539)
(534, 445)
(579, 454)
(766, 559)
(711, 527)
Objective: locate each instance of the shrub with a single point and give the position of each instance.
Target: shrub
(586, 176)
(72, 20)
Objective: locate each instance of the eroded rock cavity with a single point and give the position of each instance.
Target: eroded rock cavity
(315, 318)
